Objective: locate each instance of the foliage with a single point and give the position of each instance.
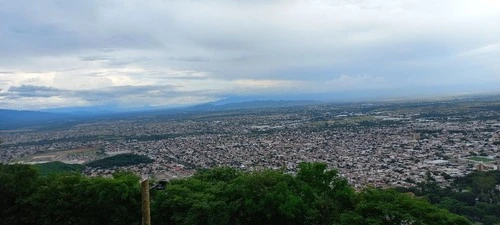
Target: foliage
(57, 167)
(474, 196)
(382, 207)
(28, 198)
(120, 160)
(16, 182)
(315, 195)
(74, 199)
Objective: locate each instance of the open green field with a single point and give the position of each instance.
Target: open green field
(480, 159)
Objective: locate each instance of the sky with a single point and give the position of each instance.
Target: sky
(164, 53)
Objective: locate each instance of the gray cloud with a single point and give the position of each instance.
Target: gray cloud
(16, 92)
(124, 96)
(95, 58)
(111, 92)
(102, 45)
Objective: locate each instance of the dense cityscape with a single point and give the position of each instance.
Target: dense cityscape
(376, 144)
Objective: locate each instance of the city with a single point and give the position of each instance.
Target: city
(381, 144)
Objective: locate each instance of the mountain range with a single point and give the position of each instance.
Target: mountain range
(15, 119)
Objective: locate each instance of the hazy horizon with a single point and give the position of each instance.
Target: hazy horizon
(133, 54)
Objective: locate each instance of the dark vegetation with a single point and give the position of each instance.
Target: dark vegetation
(216, 196)
(154, 137)
(474, 196)
(57, 167)
(69, 198)
(120, 160)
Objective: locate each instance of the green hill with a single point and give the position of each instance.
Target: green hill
(57, 167)
(120, 160)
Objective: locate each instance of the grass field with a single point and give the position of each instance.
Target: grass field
(480, 159)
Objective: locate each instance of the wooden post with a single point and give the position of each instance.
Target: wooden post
(146, 216)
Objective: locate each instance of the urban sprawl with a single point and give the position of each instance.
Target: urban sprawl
(379, 144)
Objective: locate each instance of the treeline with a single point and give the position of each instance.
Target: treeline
(120, 160)
(217, 196)
(475, 196)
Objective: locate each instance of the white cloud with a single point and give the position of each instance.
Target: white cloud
(480, 51)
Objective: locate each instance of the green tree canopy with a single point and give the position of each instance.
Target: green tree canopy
(314, 196)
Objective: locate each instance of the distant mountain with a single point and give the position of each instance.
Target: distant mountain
(216, 106)
(264, 98)
(14, 119)
(10, 119)
(87, 110)
(223, 104)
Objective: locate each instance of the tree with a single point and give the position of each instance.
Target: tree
(326, 193)
(17, 183)
(389, 207)
(224, 196)
(75, 199)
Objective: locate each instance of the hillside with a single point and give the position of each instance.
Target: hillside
(57, 167)
(120, 160)
(11, 119)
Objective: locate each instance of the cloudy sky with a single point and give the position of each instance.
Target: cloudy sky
(134, 53)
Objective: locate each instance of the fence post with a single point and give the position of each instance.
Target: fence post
(146, 216)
